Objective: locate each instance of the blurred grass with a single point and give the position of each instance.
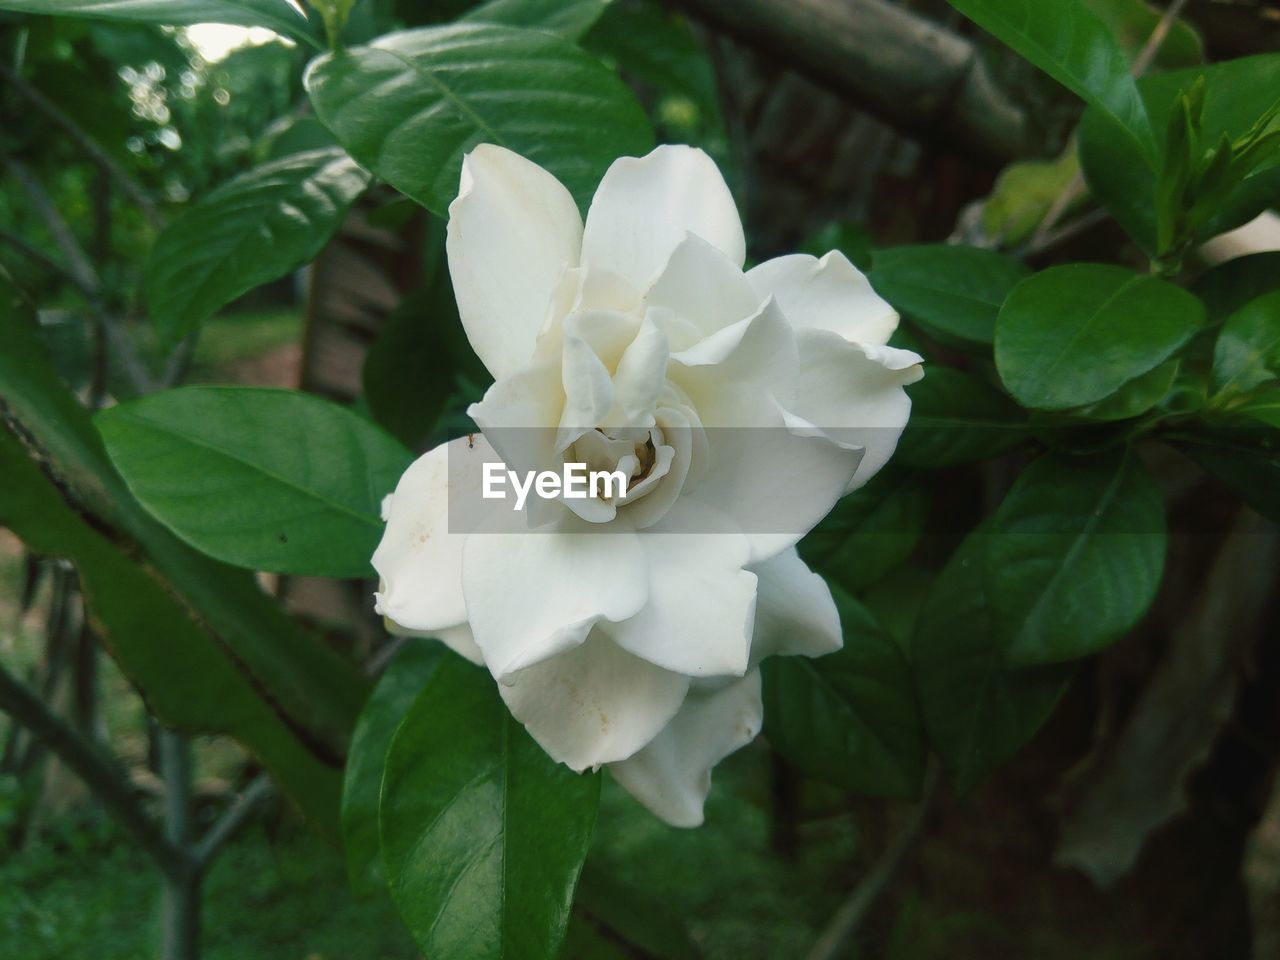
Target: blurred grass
(86, 894)
(233, 338)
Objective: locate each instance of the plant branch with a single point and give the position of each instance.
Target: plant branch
(232, 820)
(34, 253)
(82, 274)
(910, 72)
(1041, 243)
(127, 183)
(845, 921)
(1147, 55)
(108, 783)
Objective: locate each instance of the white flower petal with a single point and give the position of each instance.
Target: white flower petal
(588, 391)
(419, 561)
(513, 230)
(795, 613)
(702, 285)
(519, 415)
(533, 594)
(827, 294)
(853, 392)
(672, 775)
(644, 206)
(639, 379)
(728, 374)
(699, 615)
(458, 639)
(775, 483)
(594, 704)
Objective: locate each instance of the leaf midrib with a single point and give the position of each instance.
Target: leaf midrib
(367, 519)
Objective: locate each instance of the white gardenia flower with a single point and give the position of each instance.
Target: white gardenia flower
(628, 631)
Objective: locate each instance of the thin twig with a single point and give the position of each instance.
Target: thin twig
(1147, 55)
(86, 143)
(78, 262)
(84, 276)
(845, 921)
(32, 252)
(1085, 221)
(232, 820)
(108, 783)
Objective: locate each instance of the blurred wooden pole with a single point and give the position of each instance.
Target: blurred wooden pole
(910, 72)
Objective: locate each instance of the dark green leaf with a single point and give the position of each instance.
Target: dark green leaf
(951, 290)
(271, 480)
(411, 104)
(978, 710)
(1074, 556)
(568, 18)
(850, 717)
(391, 699)
(657, 48)
(1247, 353)
(868, 532)
(1073, 334)
(408, 373)
(633, 918)
(1237, 92)
(251, 230)
(958, 418)
(1070, 43)
(278, 15)
(310, 686)
(1229, 286)
(483, 834)
(189, 681)
(209, 649)
(851, 239)
(1135, 397)
(1246, 460)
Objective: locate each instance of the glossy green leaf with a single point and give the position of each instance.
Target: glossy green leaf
(849, 718)
(978, 710)
(209, 649)
(958, 418)
(1237, 93)
(1066, 40)
(869, 532)
(1136, 397)
(189, 681)
(411, 104)
(272, 480)
(1247, 353)
(278, 15)
(253, 229)
(568, 18)
(951, 290)
(1074, 556)
(397, 689)
(1073, 334)
(483, 834)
